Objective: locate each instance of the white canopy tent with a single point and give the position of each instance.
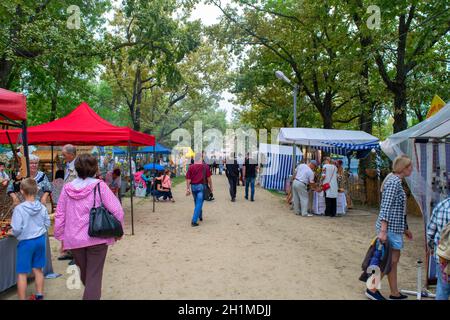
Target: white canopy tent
(428, 146)
(318, 137)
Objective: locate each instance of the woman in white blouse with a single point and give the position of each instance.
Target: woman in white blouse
(329, 175)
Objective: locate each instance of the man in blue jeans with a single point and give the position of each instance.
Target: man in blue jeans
(439, 219)
(249, 175)
(197, 176)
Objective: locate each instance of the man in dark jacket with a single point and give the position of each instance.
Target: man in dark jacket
(232, 173)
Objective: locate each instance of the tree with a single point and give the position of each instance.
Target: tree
(147, 50)
(417, 28)
(41, 55)
(305, 40)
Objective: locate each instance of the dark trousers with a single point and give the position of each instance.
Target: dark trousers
(233, 180)
(164, 194)
(91, 261)
(330, 207)
(250, 181)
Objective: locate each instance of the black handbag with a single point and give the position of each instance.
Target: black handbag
(102, 224)
(207, 194)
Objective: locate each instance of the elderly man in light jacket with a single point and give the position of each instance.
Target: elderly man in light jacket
(69, 152)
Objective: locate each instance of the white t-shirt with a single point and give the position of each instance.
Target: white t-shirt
(331, 178)
(304, 174)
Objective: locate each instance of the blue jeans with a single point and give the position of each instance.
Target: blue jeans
(442, 288)
(250, 181)
(197, 193)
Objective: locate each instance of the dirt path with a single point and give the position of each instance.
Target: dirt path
(242, 250)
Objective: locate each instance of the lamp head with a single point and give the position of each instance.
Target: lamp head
(280, 75)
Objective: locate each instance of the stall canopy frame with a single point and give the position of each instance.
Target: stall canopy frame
(84, 127)
(13, 113)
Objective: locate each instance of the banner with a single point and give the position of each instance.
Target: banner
(436, 104)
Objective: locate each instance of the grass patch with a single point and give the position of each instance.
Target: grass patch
(177, 180)
(277, 193)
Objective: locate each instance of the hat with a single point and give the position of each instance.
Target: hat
(314, 162)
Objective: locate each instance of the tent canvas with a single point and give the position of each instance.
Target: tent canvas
(319, 137)
(13, 105)
(276, 165)
(158, 149)
(428, 146)
(82, 127)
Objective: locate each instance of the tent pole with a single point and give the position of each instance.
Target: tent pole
(131, 188)
(154, 172)
(53, 168)
(25, 146)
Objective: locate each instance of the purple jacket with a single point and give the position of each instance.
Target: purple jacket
(72, 214)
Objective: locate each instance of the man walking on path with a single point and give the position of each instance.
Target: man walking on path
(249, 174)
(196, 176)
(303, 176)
(232, 173)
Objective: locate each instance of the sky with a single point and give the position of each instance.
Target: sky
(210, 14)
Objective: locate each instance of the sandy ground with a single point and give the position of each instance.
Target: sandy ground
(242, 250)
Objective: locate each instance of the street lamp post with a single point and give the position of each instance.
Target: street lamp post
(280, 75)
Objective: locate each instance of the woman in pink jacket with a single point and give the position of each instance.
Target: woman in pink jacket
(72, 223)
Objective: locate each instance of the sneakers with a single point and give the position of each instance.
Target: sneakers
(36, 297)
(374, 295)
(194, 224)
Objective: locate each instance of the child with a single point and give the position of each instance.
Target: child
(30, 222)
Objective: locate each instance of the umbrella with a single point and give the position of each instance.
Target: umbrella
(152, 166)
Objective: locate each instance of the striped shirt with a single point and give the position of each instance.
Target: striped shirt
(439, 218)
(393, 206)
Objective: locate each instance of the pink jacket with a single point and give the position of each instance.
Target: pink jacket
(72, 215)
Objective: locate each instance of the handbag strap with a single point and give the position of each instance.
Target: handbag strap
(95, 195)
(99, 193)
(204, 173)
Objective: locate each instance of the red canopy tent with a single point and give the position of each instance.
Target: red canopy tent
(83, 127)
(13, 106)
(13, 113)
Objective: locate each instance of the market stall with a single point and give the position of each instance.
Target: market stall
(428, 146)
(276, 165)
(84, 127)
(313, 142)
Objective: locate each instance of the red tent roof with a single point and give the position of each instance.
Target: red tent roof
(82, 127)
(12, 105)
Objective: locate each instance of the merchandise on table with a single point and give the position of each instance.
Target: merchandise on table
(5, 226)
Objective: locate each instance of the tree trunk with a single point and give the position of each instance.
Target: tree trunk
(53, 109)
(5, 72)
(137, 110)
(400, 120)
(327, 118)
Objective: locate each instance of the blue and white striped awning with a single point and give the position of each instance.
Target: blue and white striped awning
(354, 147)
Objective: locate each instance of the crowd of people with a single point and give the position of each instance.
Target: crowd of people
(82, 175)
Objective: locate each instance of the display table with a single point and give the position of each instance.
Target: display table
(319, 203)
(8, 276)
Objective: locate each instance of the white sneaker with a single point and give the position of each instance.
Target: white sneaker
(310, 215)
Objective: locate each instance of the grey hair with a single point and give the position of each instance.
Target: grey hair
(70, 149)
(198, 156)
(34, 157)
